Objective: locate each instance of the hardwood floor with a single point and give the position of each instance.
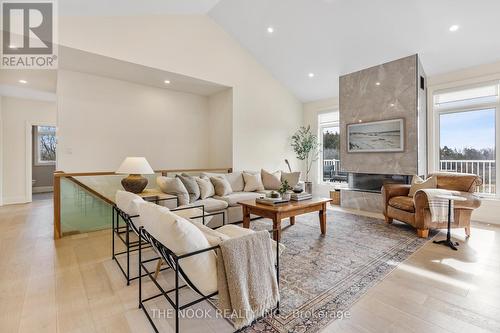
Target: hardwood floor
(72, 285)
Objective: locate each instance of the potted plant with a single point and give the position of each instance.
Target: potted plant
(306, 146)
(285, 190)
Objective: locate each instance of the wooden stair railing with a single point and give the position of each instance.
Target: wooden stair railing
(70, 176)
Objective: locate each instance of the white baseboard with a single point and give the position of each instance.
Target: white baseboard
(43, 189)
(14, 200)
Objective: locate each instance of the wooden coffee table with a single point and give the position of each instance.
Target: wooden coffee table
(282, 211)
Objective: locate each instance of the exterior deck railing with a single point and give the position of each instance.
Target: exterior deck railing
(334, 163)
(486, 169)
(332, 171)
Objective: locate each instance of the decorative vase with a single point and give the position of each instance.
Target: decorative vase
(286, 196)
(308, 187)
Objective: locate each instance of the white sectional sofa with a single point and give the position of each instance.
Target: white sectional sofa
(228, 202)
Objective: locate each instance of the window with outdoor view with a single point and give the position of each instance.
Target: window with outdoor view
(329, 133)
(467, 133)
(45, 145)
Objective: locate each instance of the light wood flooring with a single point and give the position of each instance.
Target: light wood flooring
(72, 285)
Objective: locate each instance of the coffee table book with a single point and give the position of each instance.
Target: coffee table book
(301, 196)
(270, 201)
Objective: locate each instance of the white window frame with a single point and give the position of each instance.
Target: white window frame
(322, 126)
(37, 161)
(473, 107)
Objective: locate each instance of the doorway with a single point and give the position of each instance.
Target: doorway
(43, 160)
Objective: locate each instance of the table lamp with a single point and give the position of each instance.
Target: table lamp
(135, 167)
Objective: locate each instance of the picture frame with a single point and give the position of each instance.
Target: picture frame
(376, 136)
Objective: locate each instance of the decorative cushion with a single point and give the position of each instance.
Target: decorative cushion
(418, 183)
(221, 185)
(403, 202)
(253, 182)
(234, 178)
(181, 237)
(175, 187)
(232, 199)
(191, 186)
(128, 202)
(292, 177)
(207, 189)
(271, 181)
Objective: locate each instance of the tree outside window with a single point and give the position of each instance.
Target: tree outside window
(46, 144)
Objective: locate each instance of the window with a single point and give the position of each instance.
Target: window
(329, 134)
(45, 141)
(467, 132)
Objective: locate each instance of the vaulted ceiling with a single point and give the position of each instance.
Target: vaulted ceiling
(333, 37)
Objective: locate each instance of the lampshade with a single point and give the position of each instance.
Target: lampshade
(135, 166)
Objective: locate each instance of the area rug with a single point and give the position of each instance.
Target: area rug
(322, 277)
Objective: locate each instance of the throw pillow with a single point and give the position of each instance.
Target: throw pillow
(234, 178)
(175, 187)
(207, 189)
(418, 183)
(191, 186)
(181, 237)
(292, 177)
(222, 186)
(271, 181)
(253, 182)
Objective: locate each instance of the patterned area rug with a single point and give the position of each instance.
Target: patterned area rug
(321, 277)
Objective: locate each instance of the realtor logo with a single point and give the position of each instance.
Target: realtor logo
(28, 35)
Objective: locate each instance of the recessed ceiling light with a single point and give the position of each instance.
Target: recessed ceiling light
(377, 83)
(12, 47)
(23, 81)
(391, 105)
(454, 27)
(270, 29)
(360, 121)
(167, 81)
(310, 74)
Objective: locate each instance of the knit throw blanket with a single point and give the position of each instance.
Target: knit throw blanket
(438, 206)
(246, 278)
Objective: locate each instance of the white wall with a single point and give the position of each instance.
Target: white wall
(265, 114)
(220, 107)
(102, 120)
(17, 117)
(1, 153)
(311, 112)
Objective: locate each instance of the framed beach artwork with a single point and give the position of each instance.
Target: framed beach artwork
(376, 136)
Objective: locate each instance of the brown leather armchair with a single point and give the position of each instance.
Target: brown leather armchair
(415, 210)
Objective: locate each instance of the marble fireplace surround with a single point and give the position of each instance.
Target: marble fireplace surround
(393, 90)
(388, 91)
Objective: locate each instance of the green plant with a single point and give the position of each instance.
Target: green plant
(285, 187)
(306, 146)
